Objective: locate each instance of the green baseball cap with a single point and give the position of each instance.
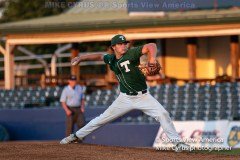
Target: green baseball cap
(118, 39)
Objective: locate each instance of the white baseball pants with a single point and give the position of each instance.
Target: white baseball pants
(125, 103)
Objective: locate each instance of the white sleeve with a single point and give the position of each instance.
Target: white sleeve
(63, 97)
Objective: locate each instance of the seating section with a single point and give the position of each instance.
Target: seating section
(102, 98)
(191, 101)
(30, 97)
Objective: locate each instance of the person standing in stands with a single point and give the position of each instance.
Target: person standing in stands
(72, 100)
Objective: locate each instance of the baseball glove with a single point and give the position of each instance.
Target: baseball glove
(150, 69)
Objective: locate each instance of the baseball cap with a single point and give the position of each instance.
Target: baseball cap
(118, 39)
(73, 77)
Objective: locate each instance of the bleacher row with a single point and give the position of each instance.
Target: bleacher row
(189, 102)
(30, 97)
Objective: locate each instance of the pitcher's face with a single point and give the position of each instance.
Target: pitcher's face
(120, 48)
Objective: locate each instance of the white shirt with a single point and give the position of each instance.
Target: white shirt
(72, 97)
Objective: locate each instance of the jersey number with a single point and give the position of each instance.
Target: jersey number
(125, 63)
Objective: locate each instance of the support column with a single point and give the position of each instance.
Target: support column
(192, 54)
(161, 53)
(234, 56)
(9, 67)
(75, 70)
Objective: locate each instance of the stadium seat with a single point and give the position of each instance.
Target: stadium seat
(188, 102)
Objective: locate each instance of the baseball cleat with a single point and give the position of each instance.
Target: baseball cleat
(182, 147)
(70, 139)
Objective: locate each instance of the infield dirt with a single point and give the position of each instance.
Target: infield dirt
(53, 150)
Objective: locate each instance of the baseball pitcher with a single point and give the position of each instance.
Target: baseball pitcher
(125, 63)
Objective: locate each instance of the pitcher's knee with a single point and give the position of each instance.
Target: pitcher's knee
(163, 115)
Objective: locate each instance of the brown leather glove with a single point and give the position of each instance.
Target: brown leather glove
(150, 69)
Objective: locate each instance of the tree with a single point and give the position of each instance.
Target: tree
(16, 10)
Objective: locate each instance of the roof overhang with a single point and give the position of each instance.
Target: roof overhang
(131, 34)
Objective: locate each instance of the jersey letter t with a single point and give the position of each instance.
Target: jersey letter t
(125, 63)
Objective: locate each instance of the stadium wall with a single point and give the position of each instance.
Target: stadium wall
(49, 124)
(212, 52)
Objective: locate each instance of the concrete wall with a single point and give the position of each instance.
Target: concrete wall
(219, 50)
(49, 124)
(176, 47)
(213, 57)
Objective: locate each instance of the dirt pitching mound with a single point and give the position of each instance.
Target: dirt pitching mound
(53, 150)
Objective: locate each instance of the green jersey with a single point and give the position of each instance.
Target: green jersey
(126, 69)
